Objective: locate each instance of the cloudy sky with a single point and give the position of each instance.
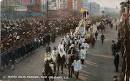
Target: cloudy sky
(108, 3)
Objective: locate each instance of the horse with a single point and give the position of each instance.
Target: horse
(71, 58)
(49, 70)
(101, 27)
(72, 53)
(92, 39)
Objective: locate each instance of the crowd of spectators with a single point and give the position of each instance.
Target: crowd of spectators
(21, 36)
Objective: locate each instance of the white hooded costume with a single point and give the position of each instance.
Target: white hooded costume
(61, 50)
(77, 65)
(54, 55)
(83, 54)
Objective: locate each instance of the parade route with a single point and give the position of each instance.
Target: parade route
(65, 40)
(101, 66)
(98, 64)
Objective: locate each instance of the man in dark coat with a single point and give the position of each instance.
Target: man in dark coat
(102, 38)
(116, 61)
(53, 36)
(96, 34)
(114, 47)
(48, 49)
(48, 39)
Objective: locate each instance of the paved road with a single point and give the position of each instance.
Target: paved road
(98, 65)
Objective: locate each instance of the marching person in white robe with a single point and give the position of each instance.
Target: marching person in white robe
(47, 56)
(77, 66)
(85, 45)
(82, 54)
(54, 54)
(82, 40)
(61, 49)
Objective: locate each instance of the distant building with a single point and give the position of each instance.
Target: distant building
(110, 12)
(62, 4)
(9, 3)
(52, 4)
(37, 6)
(69, 5)
(83, 3)
(21, 8)
(106, 9)
(73, 5)
(92, 7)
(25, 2)
(56, 4)
(79, 4)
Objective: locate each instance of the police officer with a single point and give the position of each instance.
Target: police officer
(102, 38)
(96, 34)
(116, 61)
(114, 48)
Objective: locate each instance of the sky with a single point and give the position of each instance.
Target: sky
(108, 3)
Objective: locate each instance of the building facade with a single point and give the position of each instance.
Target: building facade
(93, 8)
(74, 5)
(124, 37)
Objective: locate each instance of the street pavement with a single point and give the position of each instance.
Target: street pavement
(98, 64)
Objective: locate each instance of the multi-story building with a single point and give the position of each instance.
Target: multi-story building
(37, 6)
(8, 8)
(83, 3)
(74, 5)
(22, 8)
(57, 4)
(40, 6)
(62, 4)
(79, 4)
(25, 2)
(92, 7)
(124, 37)
(7, 3)
(52, 4)
(69, 5)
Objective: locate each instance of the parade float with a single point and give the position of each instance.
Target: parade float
(86, 29)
